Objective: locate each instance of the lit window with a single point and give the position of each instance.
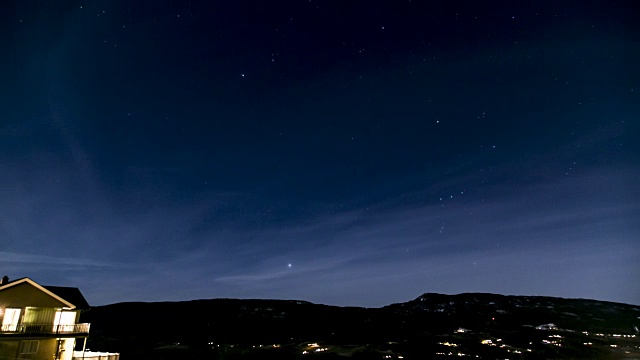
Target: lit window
(64, 321)
(11, 319)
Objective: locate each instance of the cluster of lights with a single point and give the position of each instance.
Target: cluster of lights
(453, 354)
(510, 349)
(553, 342)
(315, 346)
(448, 344)
(491, 343)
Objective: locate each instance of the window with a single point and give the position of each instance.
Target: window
(29, 347)
(64, 321)
(11, 319)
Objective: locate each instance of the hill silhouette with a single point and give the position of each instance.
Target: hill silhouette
(432, 325)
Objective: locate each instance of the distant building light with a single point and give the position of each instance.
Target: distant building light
(448, 344)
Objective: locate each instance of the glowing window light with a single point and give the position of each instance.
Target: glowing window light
(11, 319)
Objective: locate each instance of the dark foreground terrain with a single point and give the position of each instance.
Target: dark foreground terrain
(433, 326)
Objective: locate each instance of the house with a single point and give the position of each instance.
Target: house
(41, 322)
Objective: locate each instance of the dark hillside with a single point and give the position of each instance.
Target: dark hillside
(486, 325)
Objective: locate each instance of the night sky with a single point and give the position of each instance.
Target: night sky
(342, 152)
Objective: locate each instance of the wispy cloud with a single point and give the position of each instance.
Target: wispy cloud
(537, 233)
(528, 240)
(55, 262)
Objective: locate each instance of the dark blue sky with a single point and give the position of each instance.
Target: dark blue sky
(349, 153)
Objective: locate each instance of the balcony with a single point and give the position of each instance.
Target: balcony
(92, 355)
(42, 330)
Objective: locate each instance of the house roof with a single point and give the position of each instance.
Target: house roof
(71, 294)
(72, 297)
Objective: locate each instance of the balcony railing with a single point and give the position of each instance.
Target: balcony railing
(44, 329)
(93, 355)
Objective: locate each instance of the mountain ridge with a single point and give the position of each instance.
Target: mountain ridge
(426, 294)
(418, 327)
